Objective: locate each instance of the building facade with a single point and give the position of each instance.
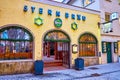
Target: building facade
(33, 30)
(110, 34)
(111, 38)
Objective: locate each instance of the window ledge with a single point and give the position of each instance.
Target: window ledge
(89, 57)
(1, 61)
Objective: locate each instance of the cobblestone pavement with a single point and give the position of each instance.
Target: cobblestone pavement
(99, 72)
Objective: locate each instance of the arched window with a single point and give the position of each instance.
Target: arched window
(87, 45)
(15, 43)
(56, 36)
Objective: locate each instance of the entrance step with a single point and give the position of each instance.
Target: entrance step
(46, 69)
(52, 63)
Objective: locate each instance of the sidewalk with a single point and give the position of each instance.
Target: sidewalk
(97, 71)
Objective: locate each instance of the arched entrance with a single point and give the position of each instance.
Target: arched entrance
(15, 43)
(57, 48)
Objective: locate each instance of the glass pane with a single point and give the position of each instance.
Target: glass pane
(107, 16)
(4, 35)
(87, 38)
(21, 34)
(15, 34)
(87, 2)
(88, 49)
(17, 45)
(2, 47)
(18, 33)
(27, 44)
(11, 34)
(56, 36)
(26, 36)
(7, 47)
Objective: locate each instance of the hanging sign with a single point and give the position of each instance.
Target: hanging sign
(58, 22)
(114, 16)
(107, 27)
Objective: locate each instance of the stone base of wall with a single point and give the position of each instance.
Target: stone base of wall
(89, 61)
(12, 67)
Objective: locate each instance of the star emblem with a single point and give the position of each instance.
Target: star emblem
(38, 21)
(74, 26)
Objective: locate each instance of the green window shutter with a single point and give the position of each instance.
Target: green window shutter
(104, 47)
(115, 47)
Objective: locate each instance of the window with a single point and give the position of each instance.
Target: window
(87, 45)
(15, 43)
(104, 47)
(115, 47)
(87, 2)
(56, 36)
(107, 16)
(119, 2)
(109, 0)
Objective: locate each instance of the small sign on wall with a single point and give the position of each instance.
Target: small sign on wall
(58, 22)
(74, 48)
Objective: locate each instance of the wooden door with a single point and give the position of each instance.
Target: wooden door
(109, 53)
(66, 54)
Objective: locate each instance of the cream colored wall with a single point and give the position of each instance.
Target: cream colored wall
(11, 12)
(115, 57)
(104, 58)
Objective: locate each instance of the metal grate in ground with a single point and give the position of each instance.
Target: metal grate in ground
(93, 68)
(95, 74)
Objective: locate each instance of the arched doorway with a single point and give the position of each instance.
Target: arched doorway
(88, 45)
(57, 48)
(15, 43)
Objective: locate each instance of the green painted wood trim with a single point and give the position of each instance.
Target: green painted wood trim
(15, 40)
(51, 40)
